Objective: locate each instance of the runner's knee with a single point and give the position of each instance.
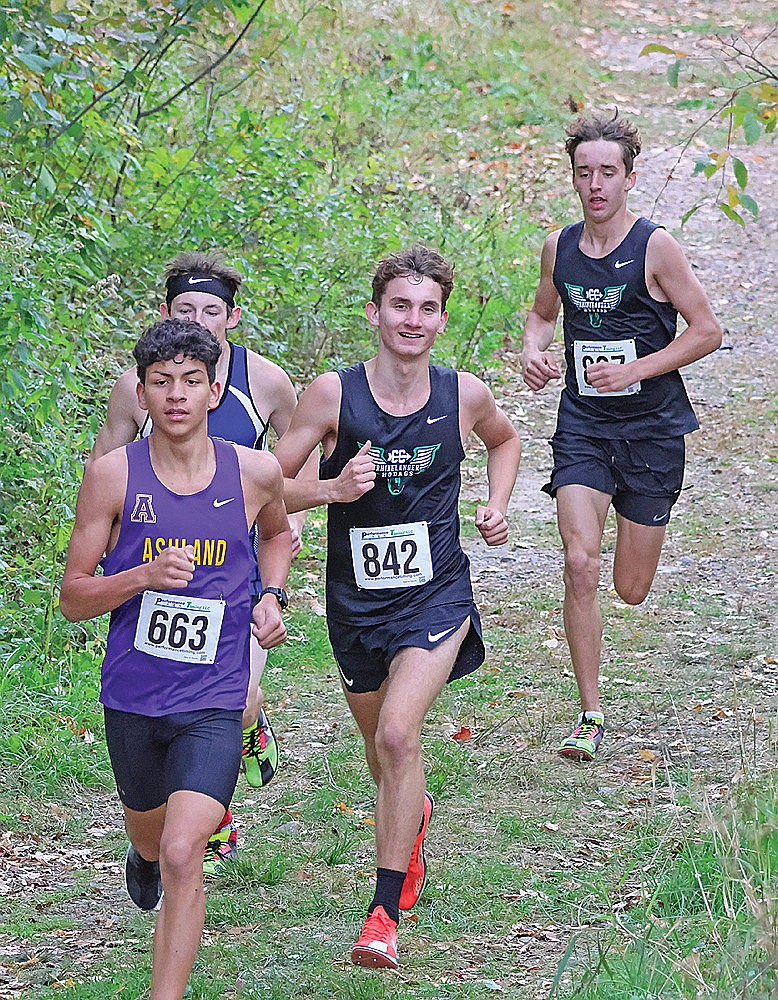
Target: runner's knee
(582, 570)
(630, 590)
(396, 743)
(181, 857)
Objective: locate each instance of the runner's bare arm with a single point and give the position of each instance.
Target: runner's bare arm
(100, 501)
(669, 277)
(537, 366)
(123, 419)
(479, 412)
(315, 422)
(277, 386)
(274, 551)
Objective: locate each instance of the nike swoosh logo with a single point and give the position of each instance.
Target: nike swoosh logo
(434, 420)
(659, 517)
(617, 264)
(439, 635)
(221, 503)
(348, 682)
(197, 281)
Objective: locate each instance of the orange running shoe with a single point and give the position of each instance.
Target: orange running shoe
(417, 866)
(377, 944)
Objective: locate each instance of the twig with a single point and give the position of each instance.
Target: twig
(207, 70)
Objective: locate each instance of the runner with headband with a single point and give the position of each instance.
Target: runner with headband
(256, 395)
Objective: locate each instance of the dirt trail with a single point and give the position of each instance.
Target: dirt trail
(696, 693)
(731, 478)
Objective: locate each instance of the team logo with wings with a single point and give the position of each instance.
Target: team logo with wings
(398, 465)
(595, 301)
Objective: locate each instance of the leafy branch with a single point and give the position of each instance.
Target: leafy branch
(208, 69)
(750, 109)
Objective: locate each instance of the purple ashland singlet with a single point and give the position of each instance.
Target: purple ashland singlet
(181, 650)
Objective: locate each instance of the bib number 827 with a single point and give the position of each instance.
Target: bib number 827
(391, 562)
(589, 359)
(177, 631)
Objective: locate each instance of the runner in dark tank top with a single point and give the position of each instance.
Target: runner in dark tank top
(623, 411)
(400, 609)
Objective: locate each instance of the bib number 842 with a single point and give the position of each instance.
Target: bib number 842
(391, 562)
(391, 555)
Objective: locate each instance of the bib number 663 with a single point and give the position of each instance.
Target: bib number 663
(174, 631)
(176, 627)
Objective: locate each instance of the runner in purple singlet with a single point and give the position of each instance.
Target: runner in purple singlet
(172, 514)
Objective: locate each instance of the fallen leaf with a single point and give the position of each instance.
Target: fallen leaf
(463, 734)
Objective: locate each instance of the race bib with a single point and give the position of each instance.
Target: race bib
(616, 352)
(177, 627)
(397, 555)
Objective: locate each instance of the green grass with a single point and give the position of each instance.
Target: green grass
(710, 916)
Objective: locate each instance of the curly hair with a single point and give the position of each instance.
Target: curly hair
(418, 260)
(590, 128)
(170, 337)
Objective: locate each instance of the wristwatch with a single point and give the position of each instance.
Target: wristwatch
(279, 593)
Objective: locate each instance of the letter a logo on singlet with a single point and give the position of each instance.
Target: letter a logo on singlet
(595, 301)
(143, 512)
(400, 465)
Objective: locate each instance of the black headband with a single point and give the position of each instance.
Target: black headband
(194, 282)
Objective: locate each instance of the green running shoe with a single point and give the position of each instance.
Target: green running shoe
(221, 849)
(582, 743)
(260, 752)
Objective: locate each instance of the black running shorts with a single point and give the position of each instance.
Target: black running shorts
(152, 757)
(364, 652)
(643, 477)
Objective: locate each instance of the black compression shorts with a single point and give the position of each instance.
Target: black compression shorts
(152, 757)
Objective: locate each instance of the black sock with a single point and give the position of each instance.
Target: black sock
(388, 887)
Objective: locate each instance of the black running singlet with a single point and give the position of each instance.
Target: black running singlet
(610, 315)
(397, 548)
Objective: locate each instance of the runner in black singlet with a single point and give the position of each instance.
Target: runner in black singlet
(399, 602)
(623, 412)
